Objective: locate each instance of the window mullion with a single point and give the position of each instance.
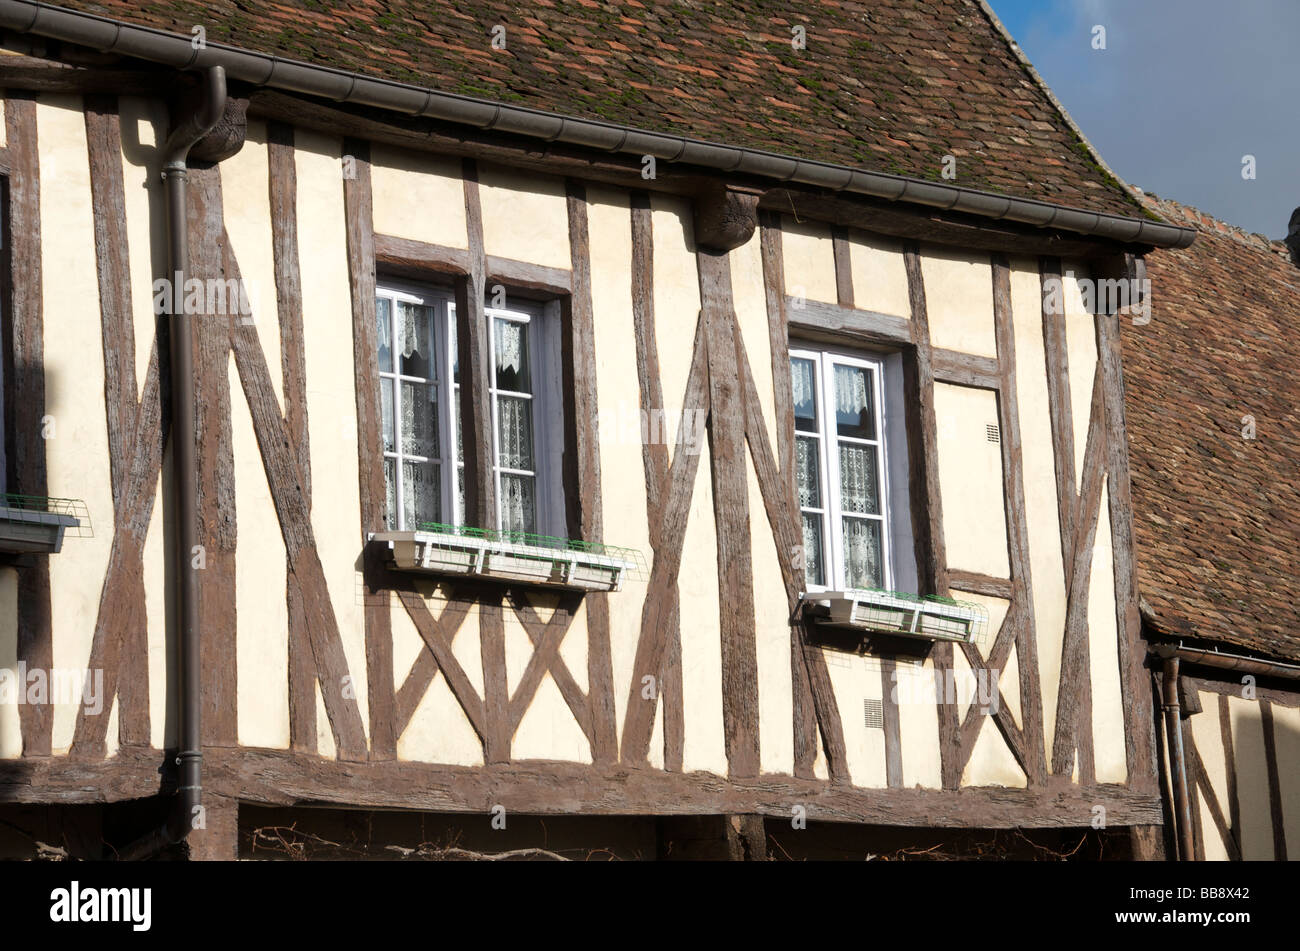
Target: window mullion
(834, 543)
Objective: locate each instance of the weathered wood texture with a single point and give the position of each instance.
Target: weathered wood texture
(655, 461)
(282, 186)
(130, 668)
(24, 382)
(558, 788)
(731, 518)
(1139, 719)
(217, 513)
(579, 368)
(1013, 473)
(472, 341)
(357, 202)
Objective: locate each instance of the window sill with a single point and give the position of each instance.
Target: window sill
(897, 615)
(490, 556)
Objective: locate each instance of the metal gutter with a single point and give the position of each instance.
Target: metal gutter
(260, 69)
(1222, 661)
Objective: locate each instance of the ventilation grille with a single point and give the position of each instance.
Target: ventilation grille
(873, 714)
(992, 432)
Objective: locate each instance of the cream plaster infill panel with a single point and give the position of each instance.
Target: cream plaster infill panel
(619, 421)
(970, 480)
(879, 275)
(418, 196)
(809, 260)
(959, 302)
(525, 217)
(76, 441)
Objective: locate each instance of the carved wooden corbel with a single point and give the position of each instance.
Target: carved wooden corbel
(725, 215)
(227, 136)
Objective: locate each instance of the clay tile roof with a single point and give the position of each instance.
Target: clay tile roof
(1217, 516)
(883, 85)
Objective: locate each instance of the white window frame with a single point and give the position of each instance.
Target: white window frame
(828, 439)
(547, 413)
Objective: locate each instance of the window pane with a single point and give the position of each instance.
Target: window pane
(390, 493)
(384, 333)
(854, 413)
(414, 342)
(807, 473)
(805, 394)
(420, 419)
(455, 424)
(859, 486)
(812, 549)
(460, 496)
(518, 504)
(421, 494)
(452, 345)
(512, 356)
(386, 397)
(514, 432)
(863, 561)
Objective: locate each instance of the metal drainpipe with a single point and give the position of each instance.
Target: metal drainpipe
(1177, 763)
(189, 756)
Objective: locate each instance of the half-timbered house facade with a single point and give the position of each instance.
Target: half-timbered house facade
(690, 424)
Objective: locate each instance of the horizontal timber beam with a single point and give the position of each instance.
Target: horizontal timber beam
(406, 257)
(818, 320)
(279, 777)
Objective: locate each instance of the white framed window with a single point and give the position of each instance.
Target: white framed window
(420, 383)
(842, 470)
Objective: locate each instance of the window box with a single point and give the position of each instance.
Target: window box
(898, 615)
(36, 525)
(511, 557)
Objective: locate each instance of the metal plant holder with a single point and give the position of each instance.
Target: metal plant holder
(898, 614)
(518, 557)
(31, 524)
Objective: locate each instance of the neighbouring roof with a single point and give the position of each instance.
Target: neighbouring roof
(886, 85)
(1217, 516)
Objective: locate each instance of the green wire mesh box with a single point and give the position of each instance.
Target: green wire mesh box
(514, 556)
(907, 615)
(37, 523)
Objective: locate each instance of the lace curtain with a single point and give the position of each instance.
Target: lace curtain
(859, 490)
(413, 327)
(851, 390)
(812, 549)
(421, 491)
(510, 346)
(801, 372)
(863, 564)
(806, 475)
(518, 506)
(384, 333)
(514, 433)
(419, 420)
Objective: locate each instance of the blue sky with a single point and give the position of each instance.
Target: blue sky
(1183, 91)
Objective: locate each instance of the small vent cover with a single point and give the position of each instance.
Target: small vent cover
(991, 430)
(874, 714)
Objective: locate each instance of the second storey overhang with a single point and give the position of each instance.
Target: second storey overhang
(825, 190)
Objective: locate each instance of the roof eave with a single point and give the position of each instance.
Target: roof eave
(260, 69)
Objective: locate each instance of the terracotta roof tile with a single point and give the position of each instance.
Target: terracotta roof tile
(920, 77)
(1217, 516)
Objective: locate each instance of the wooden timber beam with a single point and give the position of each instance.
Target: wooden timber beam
(280, 777)
(360, 243)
